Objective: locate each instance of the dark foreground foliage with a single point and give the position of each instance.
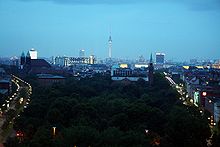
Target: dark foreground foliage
(98, 112)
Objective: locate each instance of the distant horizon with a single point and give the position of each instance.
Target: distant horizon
(183, 30)
(146, 58)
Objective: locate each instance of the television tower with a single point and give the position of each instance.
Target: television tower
(110, 46)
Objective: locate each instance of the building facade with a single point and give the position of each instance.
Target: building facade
(160, 58)
(82, 53)
(33, 53)
(124, 72)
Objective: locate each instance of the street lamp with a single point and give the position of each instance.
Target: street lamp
(146, 131)
(54, 131)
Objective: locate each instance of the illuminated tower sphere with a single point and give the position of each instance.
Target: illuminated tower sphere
(110, 47)
(151, 71)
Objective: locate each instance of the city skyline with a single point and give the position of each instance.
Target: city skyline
(181, 29)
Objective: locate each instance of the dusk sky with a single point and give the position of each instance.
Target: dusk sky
(182, 29)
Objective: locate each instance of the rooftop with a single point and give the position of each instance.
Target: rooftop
(49, 76)
(40, 63)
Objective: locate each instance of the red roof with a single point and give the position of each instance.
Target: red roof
(39, 63)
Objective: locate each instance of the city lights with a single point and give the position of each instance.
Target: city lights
(204, 93)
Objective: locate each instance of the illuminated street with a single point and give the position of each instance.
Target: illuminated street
(10, 104)
(184, 97)
(179, 88)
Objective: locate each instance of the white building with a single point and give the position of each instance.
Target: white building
(92, 59)
(33, 53)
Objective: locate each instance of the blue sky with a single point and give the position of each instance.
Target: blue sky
(182, 29)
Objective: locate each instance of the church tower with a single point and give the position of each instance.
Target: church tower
(22, 60)
(28, 58)
(151, 71)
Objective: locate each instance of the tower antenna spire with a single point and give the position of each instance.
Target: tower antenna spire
(110, 45)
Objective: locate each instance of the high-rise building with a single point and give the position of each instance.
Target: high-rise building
(160, 58)
(92, 59)
(110, 47)
(82, 53)
(33, 53)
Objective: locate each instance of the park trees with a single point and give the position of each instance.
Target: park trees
(99, 112)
